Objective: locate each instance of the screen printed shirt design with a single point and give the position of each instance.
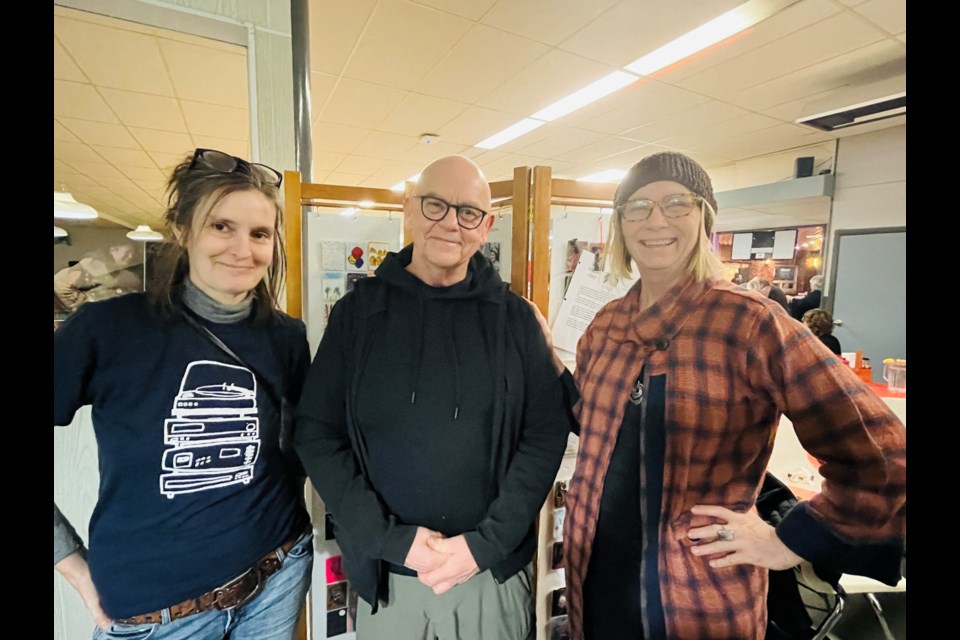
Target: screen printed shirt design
(212, 438)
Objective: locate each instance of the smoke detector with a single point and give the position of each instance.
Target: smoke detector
(428, 138)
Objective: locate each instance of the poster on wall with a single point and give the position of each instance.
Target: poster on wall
(352, 279)
(333, 286)
(376, 252)
(356, 256)
(331, 256)
(492, 251)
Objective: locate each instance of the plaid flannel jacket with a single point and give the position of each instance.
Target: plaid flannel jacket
(733, 362)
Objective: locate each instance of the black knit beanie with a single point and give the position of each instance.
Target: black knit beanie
(672, 166)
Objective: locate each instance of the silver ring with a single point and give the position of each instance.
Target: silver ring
(725, 534)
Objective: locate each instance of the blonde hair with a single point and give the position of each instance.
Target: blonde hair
(704, 262)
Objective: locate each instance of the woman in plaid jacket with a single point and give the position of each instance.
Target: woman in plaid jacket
(681, 386)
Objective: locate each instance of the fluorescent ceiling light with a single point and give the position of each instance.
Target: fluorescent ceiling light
(59, 232)
(590, 93)
(144, 233)
(513, 131)
(64, 206)
(704, 36)
(611, 175)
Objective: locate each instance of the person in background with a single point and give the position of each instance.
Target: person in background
(98, 276)
(821, 324)
(799, 306)
(200, 530)
(772, 291)
(679, 389)
(432, 425)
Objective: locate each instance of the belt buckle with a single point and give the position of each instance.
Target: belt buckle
(226, 589)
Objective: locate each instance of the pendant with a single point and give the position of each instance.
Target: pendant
(636, 395)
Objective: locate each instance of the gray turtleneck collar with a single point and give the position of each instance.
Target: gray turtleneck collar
(209, 309)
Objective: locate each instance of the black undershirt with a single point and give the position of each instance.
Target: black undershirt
(611, 591)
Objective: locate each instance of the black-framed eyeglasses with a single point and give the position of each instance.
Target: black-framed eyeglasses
(226, 163)
(676, 205)
(435, 209)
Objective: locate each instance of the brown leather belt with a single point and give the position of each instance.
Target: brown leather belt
(231, 595)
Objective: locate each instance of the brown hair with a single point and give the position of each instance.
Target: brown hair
(820, 322)
(195, 191)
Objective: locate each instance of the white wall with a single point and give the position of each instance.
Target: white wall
(774, 167)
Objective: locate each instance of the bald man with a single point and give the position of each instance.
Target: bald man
(432, 425)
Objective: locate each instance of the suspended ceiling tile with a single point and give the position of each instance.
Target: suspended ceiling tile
(701, 116)
(215, 120)
(102, 133)
(548, 21)
(143, 110)
(66, 181)
(145, 174)
(476, 124)
(648, 102)
(125, 157)
(425, 35)
(115, 57)
(335, 27)
(483, 60)
(417, 114)
(600, 149)
(631, 29)
(385, 145)
(64, 68)
(60, 132)
(342, 138)
(74, 153)
(628, 158)
(361, 104)
(326, 160)
(889, 15)
(561, 140)
(903, 38)
(543, 82)
(99, 171)
(425, 154)
(470, 9)
(836, 35)
(393, 171)
(789, 20)
(202, 74)
(75, 100)
(360, 164)
(167, 161)
(321, 86)
(346, 179)
(162, 141)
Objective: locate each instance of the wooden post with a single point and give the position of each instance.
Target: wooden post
(293, 242)
(519, 252)
(540, 239)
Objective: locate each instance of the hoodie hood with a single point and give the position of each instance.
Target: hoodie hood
(482, 279)
(482, 284)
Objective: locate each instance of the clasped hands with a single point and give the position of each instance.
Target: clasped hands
(441, 563)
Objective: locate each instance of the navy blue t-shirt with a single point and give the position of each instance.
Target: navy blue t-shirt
(193, 490)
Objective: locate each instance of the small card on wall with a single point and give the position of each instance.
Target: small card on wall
(556, 557)
(558, 628)
(331, 255)
(558, 516)
(356, 256)
(336, 622)
(376, 252)
(560, 494)
(352, 279)
(336, 595)
(334, 570)
(558, 602)
(329, 531)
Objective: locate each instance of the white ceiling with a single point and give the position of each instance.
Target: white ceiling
(130, 101)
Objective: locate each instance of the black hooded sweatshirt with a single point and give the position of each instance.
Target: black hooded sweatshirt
(431, 406)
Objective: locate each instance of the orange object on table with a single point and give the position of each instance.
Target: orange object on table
(865, 374)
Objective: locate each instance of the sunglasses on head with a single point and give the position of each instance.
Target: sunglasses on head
(226, 163)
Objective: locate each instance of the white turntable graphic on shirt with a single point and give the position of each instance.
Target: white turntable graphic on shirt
(213, 436)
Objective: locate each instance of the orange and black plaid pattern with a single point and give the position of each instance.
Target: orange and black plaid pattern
(733, 361)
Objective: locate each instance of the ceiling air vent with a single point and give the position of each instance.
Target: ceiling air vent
(857, 114)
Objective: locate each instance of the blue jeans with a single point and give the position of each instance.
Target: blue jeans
(271, 615)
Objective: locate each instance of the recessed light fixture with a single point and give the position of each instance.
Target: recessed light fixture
(513, 131)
